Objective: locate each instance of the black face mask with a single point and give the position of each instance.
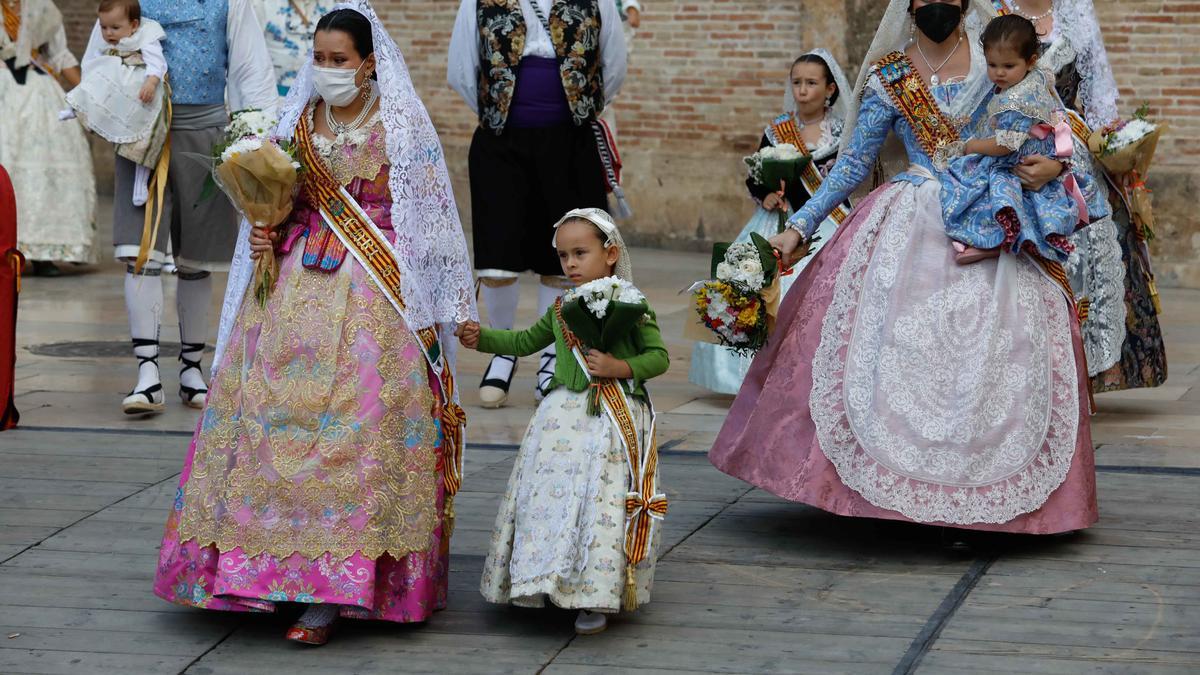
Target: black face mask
(938, 20)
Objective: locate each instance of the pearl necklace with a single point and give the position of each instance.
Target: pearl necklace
(933, 77)
(1033, 19)
(802, 123)
(339, 129)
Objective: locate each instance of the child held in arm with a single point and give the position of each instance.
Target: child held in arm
(121, 97)
(985, 209)
(564, 532)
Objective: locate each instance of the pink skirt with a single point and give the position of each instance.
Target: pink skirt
(901, 386)
(313, 474)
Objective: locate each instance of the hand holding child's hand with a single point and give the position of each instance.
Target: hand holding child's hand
(468, 334)
(146, 95)
(603, 365)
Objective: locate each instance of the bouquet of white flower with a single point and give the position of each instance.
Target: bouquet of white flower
(1126, 149)
(774, 167)
(600, 313)
(259, 174)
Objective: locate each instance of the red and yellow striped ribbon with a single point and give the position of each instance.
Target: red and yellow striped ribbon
(787, 132)
(643, 504)
(12, 22)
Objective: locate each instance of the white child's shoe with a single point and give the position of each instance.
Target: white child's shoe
(590, 623)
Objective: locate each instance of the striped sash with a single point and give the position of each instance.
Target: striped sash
(786, 131)
(643, 503)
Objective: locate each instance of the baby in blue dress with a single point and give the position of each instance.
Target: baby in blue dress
(984, 207)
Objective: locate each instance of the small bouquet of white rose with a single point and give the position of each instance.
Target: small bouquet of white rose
(600, 313)
(777, 165)
(1126, 149)
(259, 173)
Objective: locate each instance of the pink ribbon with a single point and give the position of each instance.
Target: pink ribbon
(1064, 147)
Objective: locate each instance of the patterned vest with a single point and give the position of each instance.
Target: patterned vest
(196, 48)
(575, 31)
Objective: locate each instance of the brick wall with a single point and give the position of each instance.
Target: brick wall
(706, 75)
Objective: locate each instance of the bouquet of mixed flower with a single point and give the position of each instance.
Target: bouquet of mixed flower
(600, 313)
(738, 304)
(259, 173)
(777, 165)
(1126, 148)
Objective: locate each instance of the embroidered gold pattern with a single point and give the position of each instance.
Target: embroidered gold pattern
(294, 454)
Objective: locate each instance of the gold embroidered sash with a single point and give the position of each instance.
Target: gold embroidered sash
(787, 132)
(643, 503)
(363, 239)
(913, 99)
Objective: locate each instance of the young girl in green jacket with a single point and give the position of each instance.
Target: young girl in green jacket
(561, 531)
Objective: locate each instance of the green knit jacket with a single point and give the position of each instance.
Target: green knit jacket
(643, 350)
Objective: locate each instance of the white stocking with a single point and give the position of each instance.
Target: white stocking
(141, 185)
(192, 301)
(144, 304)
(501, 304)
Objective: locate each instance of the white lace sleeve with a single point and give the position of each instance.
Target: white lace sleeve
(1098, 88)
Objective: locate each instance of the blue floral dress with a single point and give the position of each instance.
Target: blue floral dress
(983, 202)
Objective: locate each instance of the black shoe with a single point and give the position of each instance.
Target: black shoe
(545, 375)
(192, 398)
(493, 391)
(150, 399)
(45, 268)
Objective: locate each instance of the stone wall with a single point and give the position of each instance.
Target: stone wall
(706, 75)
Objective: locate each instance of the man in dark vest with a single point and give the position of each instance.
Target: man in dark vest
(538, 73)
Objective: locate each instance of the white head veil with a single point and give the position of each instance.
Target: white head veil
(841, 107)
(430, 245)
(600, 218)
(895, 31)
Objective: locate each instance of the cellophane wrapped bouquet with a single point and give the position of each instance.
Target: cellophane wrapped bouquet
(738, 304)
(774, 167)
(600, 313)
(259, 173)
(1126, 149)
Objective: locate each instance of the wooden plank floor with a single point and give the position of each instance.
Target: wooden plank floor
(747, 583)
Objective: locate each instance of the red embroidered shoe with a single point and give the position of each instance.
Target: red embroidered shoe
(309, 635)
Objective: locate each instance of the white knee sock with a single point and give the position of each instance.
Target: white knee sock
(501, 304)
(144, 304)
(192, 300)
(141, 185)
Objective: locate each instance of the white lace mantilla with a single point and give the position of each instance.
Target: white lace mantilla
(946, 393)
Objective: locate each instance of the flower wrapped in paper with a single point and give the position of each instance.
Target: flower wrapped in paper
(777, 165)
(600, 313)
(1126, 149)
(736, 308)
(259, 175)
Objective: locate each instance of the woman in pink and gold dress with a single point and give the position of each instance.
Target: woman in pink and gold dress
(323, 466)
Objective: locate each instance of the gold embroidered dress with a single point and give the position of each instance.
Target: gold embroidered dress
(314, 474)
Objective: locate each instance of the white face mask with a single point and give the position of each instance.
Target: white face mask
(336, 85)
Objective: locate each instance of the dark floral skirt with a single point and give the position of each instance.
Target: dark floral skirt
(1143, 355)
